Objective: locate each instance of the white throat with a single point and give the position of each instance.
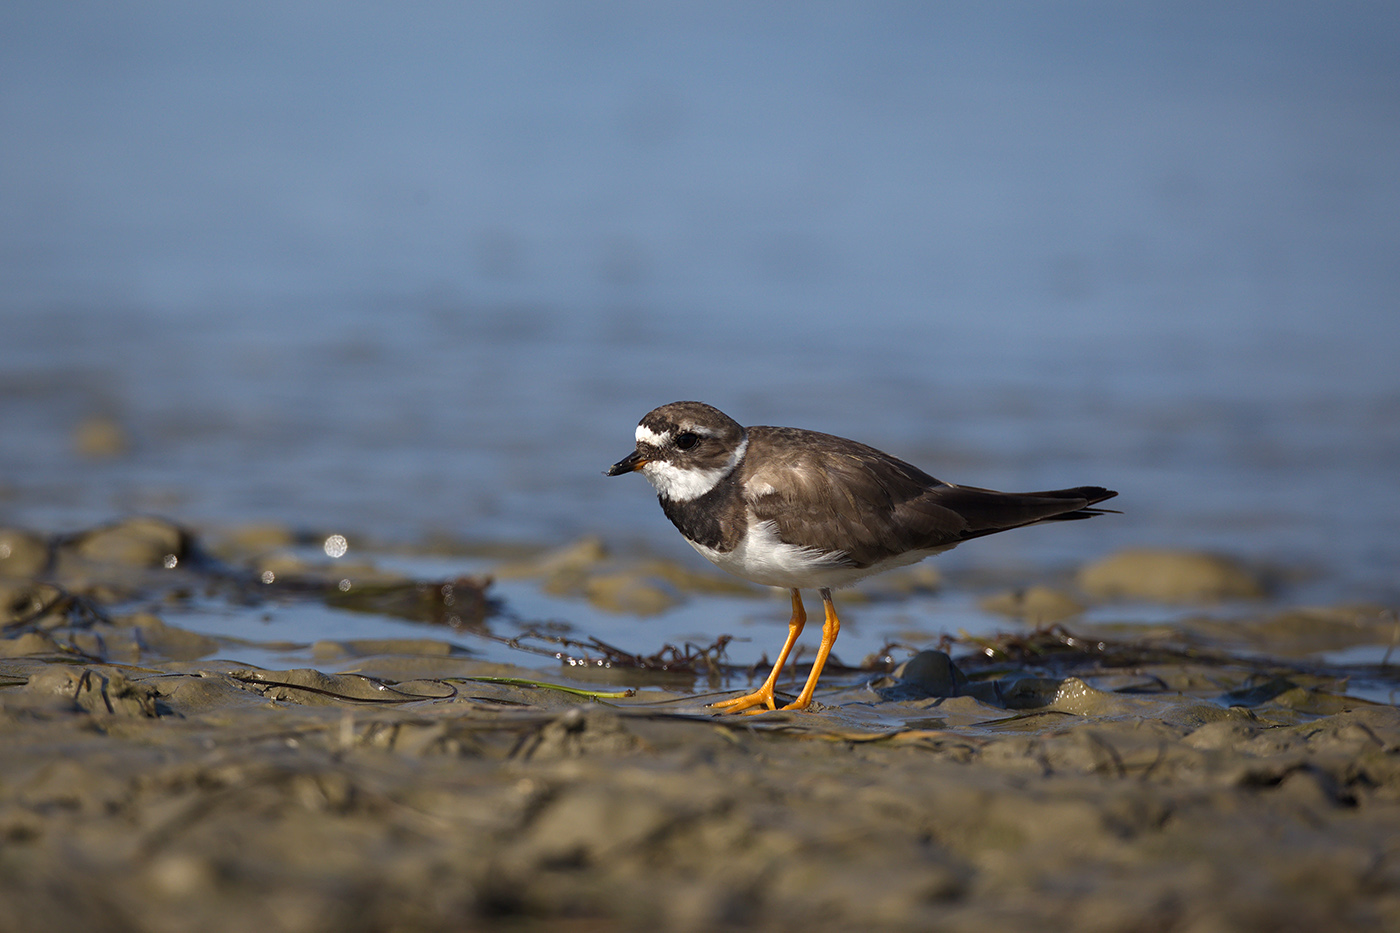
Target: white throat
(682, 484)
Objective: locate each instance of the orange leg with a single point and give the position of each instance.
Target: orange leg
(831, 627)
(763, 696)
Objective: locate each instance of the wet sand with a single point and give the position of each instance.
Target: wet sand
(1201, 776)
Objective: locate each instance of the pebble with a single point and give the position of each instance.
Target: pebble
(1039, 604)
(135, 542)
(100, 438)
(1168, 576)
(23, 554)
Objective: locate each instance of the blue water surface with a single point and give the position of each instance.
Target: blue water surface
(414, 270)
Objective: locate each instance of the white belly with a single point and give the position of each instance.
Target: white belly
(762, 558)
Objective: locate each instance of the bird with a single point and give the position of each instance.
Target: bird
(799, 509)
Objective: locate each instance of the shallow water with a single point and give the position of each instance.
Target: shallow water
(405, 277)
(579, 615)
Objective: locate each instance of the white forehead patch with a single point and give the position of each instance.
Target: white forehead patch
(646, 435)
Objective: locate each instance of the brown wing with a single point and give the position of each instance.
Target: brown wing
(826, 488)
(817, 488)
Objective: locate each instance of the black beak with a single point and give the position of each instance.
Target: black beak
(628, 464)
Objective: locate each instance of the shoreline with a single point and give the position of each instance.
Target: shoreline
(1061, 776)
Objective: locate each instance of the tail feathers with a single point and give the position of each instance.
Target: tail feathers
(1091, 494)
(987, 511)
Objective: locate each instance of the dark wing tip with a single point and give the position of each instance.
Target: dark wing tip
(1092, 496)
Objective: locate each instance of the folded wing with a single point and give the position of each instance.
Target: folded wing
(883, 507)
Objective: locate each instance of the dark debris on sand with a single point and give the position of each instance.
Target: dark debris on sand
(1059, 778)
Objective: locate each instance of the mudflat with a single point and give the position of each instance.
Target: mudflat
(1199, 776)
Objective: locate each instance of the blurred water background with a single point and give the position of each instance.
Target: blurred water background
(415, 270)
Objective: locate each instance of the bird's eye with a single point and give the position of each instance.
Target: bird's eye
(687, 440)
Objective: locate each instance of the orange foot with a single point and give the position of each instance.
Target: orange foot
(762, 698)
(760, 701)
